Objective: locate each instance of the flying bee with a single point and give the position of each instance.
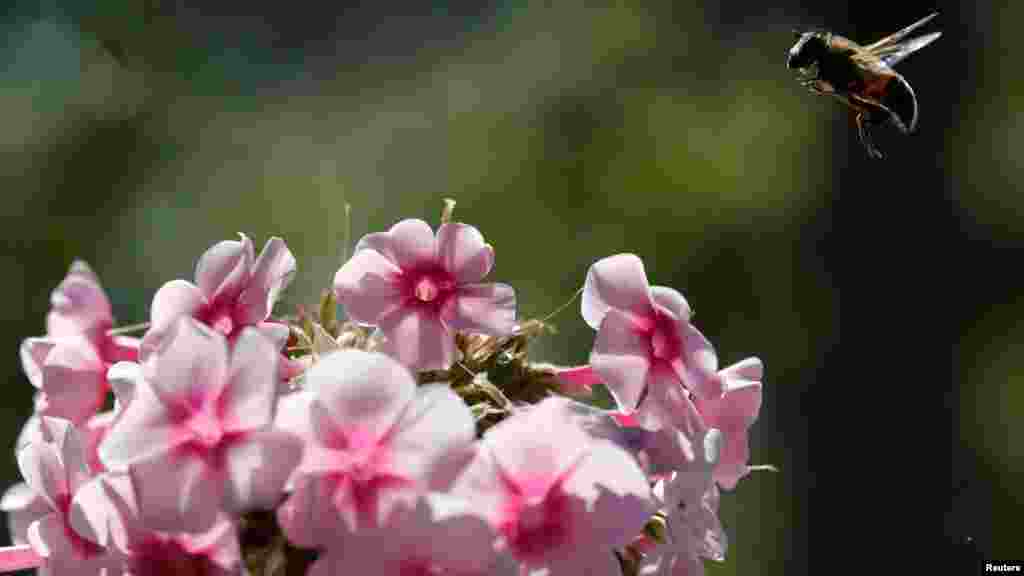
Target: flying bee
(862, 77)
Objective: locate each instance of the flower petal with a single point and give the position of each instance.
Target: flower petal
(409, 243)
(617, 492)
(173, 299)
(79, 305)
(486, 308)
(303, 517)
(271, 273)
(367, 286)
(224, 268)
(247, 402)
(43, 471)
(33, 353)
(463, 252)
(431, 433)
(621, 358)
(671, 301)
(417, 338)
(143, 429)
(367, 390)
(617, 282)
(525, 445)
(258, 468)
(74, 381)
(23, 506)
(191, 366)
(577, 380)
(177, 492)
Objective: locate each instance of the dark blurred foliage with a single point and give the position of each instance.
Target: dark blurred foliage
(135, 134)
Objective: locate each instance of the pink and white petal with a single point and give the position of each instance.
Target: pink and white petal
(541, 441)
(360, 389)
(597, 563)
(577, 380)
(177, 492)
(33, 352)
(667, 402)
(463, 253)
(700, 362)
(618, 496)
(306, 517)
(749, 369)
(121, 349)
(457, 536)
(621, 358)
(219, 545)
(367, 286)
(409, 243)
(74, 381)
(247, 401)
(78, 304)
(417, 338)
(271, 273)
(92, 514)
(23, 506)
(671, 301)
(617, 282)
(19, 557)
(173, 299)
(224, 268)
(124, 379)
(481, 483)
(258, 467)
(49, 539)
(276, 332)
(436, 426)
(486, 308)
(43, 471)
(192, 366)
(143, 428)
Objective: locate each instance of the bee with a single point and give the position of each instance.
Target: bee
(862, 77)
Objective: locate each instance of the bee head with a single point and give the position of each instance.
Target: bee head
(809, 48)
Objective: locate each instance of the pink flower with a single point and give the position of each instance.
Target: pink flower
(68, 366)
(114, 522)
(689, 498)
(647, 351)
(233, 290)
(369, 432)
(419, 290)
(54, 468)
(434, 534)
(196, 435)
(733, 411)
(560, 499)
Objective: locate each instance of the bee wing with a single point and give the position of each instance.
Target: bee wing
(891, 54)
(897, 36)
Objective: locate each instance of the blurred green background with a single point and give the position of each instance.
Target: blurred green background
(135, 134)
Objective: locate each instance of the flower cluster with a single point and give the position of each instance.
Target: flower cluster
(413, 438)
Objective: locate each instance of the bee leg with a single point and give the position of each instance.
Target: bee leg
(865, 137)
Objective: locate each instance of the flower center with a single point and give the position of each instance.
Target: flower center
(205, 429)
(426, 289)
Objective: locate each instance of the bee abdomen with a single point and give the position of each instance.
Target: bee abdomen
(899, 97)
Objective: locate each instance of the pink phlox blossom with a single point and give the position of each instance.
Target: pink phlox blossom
(559, 498)
(689, 498)
(418, 289)
(733, 410)
(68, 366)
(197, 435)
(233, 290)
(430, 534)
(53, 465)
(647, 351)
(369, 432)
(577, 380)
(115, 523)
